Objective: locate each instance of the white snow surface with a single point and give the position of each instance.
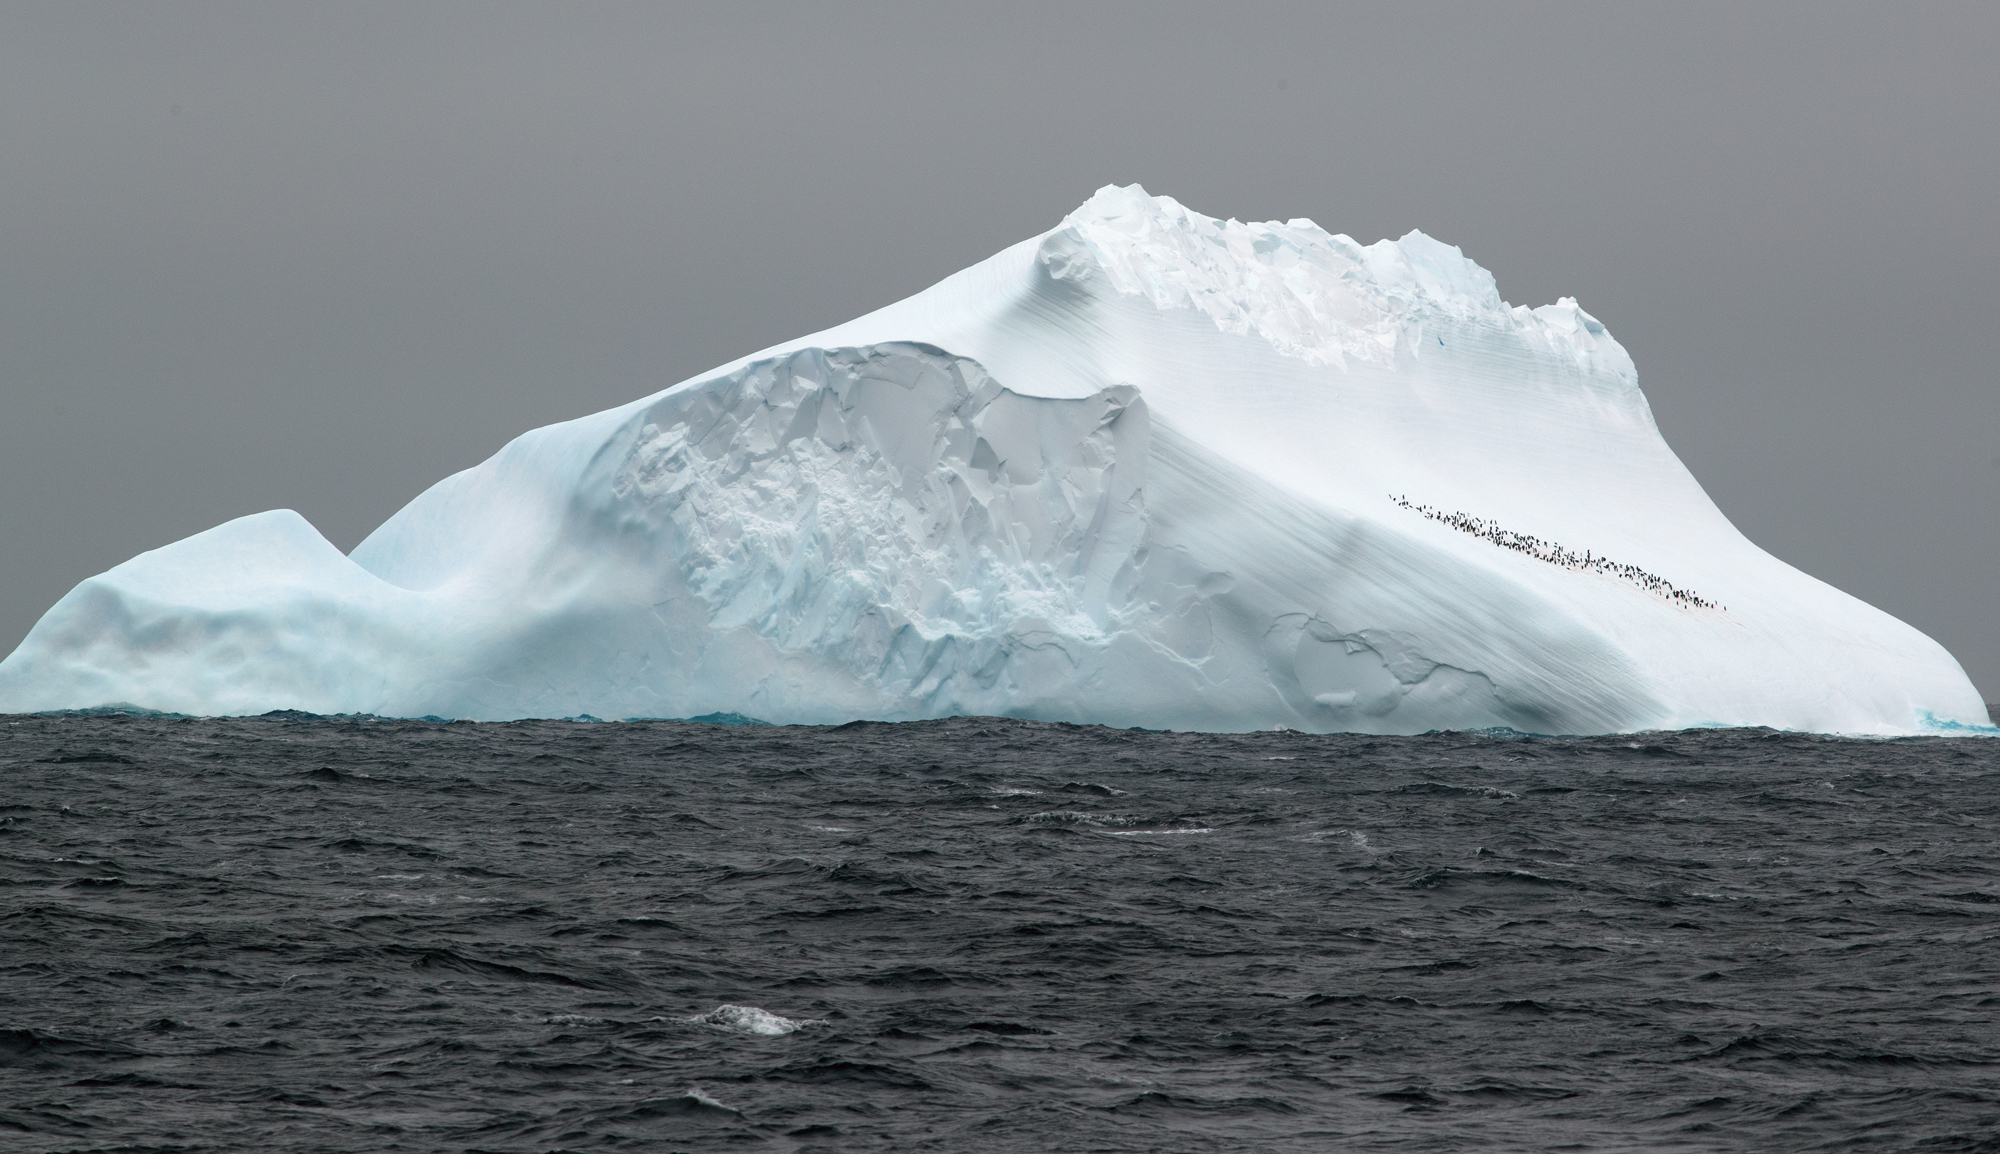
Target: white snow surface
(1142, 470)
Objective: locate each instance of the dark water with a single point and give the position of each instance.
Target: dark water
(328, 934)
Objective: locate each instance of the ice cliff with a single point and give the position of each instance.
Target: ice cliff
(1148, 469)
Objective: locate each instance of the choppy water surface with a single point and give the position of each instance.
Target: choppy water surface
(979, 935)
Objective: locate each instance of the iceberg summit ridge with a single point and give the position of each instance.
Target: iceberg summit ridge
(1148, 469)
(1311, 294)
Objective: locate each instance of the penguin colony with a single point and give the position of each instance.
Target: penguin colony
(1555, 554)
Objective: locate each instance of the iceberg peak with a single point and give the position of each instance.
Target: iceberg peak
(1315, 295)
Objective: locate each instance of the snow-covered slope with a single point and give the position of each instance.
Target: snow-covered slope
(1149, 468)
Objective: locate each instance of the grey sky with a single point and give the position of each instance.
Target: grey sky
(258, 256)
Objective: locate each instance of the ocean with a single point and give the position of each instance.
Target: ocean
(349, 934)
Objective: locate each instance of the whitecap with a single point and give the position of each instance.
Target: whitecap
(696, 1097)
(749, 1020)
(1063, 817)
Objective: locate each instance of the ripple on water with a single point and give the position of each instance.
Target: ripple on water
(989, 935)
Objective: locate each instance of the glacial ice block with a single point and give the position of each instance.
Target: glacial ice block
(1148, 469)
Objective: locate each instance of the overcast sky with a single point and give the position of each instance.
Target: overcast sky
(274, 255)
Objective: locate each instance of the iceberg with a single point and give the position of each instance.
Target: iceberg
(1147, 469)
